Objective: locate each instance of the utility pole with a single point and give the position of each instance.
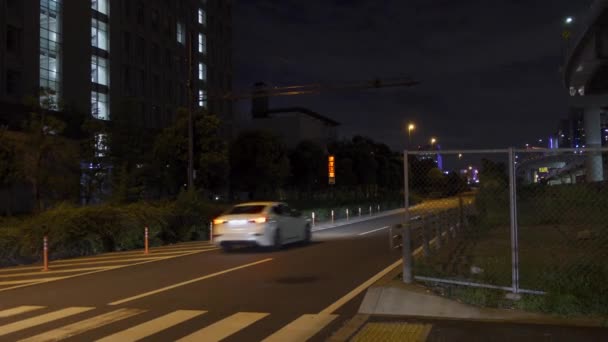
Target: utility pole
(190, 116)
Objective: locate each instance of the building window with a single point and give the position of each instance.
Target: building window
(181, 33)
(13, 39)
(202, 98)
(100, 71)
(140, 13)
(202, 71)
(12, 82)
(202, 16)
(100, 106)
(99, 35)
(101, 6)
(50, 52)
(202, 43)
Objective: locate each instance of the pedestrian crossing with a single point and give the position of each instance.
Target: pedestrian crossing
(39, 324)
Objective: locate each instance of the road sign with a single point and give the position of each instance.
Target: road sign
(332, 170)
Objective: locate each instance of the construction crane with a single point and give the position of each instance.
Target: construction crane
(315, 88)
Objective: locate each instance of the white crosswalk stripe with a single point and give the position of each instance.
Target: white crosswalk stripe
(19, 310)
(42, 319)
(154, 326)
(301, 329)
(226, 327)
(84, 326)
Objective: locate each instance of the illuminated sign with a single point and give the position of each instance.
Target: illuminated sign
(332, 169)
(543, 170)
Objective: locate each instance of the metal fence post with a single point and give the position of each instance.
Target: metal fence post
(514, 223)
(408, 276)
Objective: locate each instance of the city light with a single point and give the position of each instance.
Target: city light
(411, 127)
(460, 156)
(433, 141)
(569, 20)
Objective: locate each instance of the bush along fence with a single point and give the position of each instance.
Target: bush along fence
(533, 225)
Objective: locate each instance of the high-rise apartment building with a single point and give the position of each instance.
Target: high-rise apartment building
(111, 57)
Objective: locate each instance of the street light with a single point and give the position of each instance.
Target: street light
(410, 128)
(569, 20)
(459, 155)
(433, 141)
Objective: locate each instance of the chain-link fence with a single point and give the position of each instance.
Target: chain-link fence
(524, 221)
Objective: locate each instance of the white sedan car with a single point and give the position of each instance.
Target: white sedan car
(268, 224)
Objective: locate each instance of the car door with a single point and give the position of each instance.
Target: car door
(289, 227)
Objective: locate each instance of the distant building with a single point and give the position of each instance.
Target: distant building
(292, 124)
(435, 156)
(571, 131)
(95, 56)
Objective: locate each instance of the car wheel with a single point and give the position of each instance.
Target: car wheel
(277, 244)
(307, 234)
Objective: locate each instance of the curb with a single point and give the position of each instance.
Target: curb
(344, 222)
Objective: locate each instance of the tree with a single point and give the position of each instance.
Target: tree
(213, 165)
(308, 166)
(9, 165)
(258, 164)
(96, 166)
(50, 162)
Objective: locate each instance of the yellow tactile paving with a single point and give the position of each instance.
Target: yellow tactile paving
(397, 332)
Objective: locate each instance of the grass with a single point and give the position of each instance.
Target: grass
(563, 240)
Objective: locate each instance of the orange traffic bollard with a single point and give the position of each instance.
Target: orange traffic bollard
(45, 253)
(146, 251)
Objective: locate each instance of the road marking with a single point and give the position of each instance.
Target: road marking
(42, 319)
(103, 270)
(39, 273)
(224, 328)
(352, 294)
(122, 301)
(303, 328)
(154, 326)
(26, 281)
(19, 310)
(375, 230)
(84, 326)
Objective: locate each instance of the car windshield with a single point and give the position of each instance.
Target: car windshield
(246, 209)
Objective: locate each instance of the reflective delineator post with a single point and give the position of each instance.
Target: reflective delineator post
(313, 218)
(359, 211)
(347, 216)
(211, 231)
(45, 253)
(378, 207)
(146, 246)
(370, 210)
(332, 217)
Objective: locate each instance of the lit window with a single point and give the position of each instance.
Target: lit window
(202, 16)
(100, 108)
(181, 33)
(202, 98)
(202, 43)
(101, 145)
(99, 70)
(202, 71)
(101, 6)
(99, 35)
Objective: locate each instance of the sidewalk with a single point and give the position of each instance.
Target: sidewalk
(393, 311)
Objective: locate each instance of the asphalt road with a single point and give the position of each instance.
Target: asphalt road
(247, 295)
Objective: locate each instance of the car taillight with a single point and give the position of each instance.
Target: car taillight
(259, 220)
(218, 221)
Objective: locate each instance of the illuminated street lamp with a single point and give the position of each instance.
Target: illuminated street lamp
(410, 128)
(433, 141)
(568, 20)
(459, 155)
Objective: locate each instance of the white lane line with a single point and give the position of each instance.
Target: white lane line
(171, 287)
(104, 270)
(373, 231)
(19, 310)
(224, 328)
(42, 319)
(352, 294)
(84, 326)
(26, 281)
(154, 326)
(303, 328)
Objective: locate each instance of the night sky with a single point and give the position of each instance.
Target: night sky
(490, 69)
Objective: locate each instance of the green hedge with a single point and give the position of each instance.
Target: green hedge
(78, 231)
